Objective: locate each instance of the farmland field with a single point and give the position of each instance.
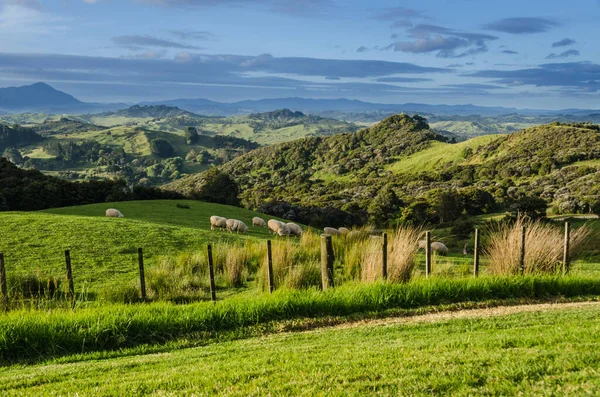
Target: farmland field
(484, 353)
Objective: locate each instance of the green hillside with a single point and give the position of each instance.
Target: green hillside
(118, 144)
(399, 169)
(104, 250)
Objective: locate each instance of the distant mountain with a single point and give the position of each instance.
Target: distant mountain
(35, 95)
(322, 106)
(155, 111)
(42, 98)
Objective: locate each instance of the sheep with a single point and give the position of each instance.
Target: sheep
(331, 231)
(344, 230)
(235, 225)
(436, 246)
(256, 221)
(294, 229)
(218, 222)
(277, 227)
(114, 213)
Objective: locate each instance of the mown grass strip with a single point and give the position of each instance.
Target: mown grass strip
(34, 335)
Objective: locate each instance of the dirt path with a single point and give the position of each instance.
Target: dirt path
(467, 313)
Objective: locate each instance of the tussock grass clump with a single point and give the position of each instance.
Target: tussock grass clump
(371, 258)
(181, 276)
(404, 245)
(544, 245)
(236, 266)
(295, 265)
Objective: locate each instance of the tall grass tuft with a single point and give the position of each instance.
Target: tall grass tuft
(372, 258)
(404, 246)
(543, 247)
(236, 266)
(183, 276)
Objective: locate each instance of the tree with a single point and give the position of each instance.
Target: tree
(217, 187)
(383, 208)
(162, 148)
(533, 207)
(191, 135)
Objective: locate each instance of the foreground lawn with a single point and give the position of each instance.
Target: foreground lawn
(537, 353)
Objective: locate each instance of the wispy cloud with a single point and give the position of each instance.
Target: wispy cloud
(136, 42)
(522, 25)
(584, 76)
(190, 34)
(566, 54)
(446, 43)
(564, 42)
(295, 8)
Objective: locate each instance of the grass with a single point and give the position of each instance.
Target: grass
(516, 354)
(35, 335)
(104, 250)
(436, 155)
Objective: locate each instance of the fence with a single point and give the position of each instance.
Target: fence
(327, 260)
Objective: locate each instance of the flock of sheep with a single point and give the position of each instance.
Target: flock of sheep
(281, 229)
(235, 225)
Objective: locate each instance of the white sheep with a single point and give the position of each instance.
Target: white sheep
(260, 222)
(277, 227)
(294, 229)
(114, 213)
(218, 222)
(436, 246)
(344, 230)
(331, 231)
(235, 225)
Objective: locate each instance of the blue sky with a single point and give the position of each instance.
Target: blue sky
(533, 54)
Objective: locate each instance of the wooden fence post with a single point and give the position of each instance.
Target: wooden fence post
(142, 276)
(427, 254)
(522, 251)
(270, 267)
(566, 258)
(3, 286)
(327, 259)
(476, 254)
(384, 267)
(70, 278)
(211, 274)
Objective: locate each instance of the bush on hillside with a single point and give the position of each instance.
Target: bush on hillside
(162, 148)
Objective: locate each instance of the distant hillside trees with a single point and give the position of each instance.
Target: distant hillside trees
(30, 190)
(191, 135)
(162, 148)
(14, 136)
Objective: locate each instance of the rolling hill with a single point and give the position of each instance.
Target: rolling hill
(404, 170)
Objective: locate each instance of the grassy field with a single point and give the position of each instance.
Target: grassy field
(104, 250)
(516, 354)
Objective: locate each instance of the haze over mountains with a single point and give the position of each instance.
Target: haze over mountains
(42, 98)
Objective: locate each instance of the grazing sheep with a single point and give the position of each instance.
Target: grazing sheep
(235, 225)
(114, 213)
(331, 231)
(295, 230)
(218, 222)
(260, 222)
(436, 246)
(344, 230)
(277, 227)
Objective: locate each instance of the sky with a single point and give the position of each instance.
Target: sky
(538, 54)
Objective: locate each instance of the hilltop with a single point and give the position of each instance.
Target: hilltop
(400, 169)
